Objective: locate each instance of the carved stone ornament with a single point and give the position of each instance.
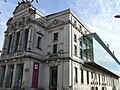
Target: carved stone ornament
(21, 6)
(55, 22)
(23, 21)
(13, 27)
(27, 70)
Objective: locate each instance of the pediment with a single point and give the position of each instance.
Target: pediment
(55, 22)
(9, 21)
(21, 6)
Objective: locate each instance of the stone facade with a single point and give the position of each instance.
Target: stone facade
(43, 53)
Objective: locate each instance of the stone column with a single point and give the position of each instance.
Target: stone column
(29, 45)
(20, 41)
(1, 73)
(5, 45)
(6, 71)
(12, 43)
(26, 70)
(14, 75)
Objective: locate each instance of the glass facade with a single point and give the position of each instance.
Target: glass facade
(95, 50)
(87, 48)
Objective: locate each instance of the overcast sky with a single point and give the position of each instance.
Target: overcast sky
(98, 15)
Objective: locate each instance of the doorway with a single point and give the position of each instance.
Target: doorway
(53, 78)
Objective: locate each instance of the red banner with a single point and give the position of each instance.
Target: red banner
(35, 75)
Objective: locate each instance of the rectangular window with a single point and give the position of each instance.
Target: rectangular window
(82, 76)
(9, 76)
(87, 77)
(75, 38)
(75, 49)
(53, 79)
(80, 28)
(17, 40)
(80, 43)
(39, 43)
(26, 37)
(54, 48)
(19, 75)
(10, 38)
(81, 56)
(55, 37)
(91, 75)
(99, 78)
(76, 76)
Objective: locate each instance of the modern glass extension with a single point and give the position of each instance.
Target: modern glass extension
(94, 50)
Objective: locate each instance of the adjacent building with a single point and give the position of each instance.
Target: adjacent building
(53, 52)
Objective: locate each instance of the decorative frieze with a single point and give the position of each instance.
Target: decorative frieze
(19, 23)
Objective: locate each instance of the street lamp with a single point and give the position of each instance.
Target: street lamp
(117, 16)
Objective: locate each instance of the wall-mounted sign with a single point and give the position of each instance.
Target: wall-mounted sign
(35, 75)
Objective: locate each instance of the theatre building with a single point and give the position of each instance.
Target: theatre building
(54, 52)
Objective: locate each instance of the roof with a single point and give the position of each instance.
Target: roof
(64, 11)
(93, 64)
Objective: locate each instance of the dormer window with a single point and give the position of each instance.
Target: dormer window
(85, 32)
(80, 28)
(75, 22)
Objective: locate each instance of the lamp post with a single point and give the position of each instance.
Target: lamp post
(117, 16)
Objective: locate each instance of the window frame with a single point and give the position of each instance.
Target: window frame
(82, 76)
(76, 75)
(75, 38)
(55, 48)
(75, 50)
(39, 44)
(55, 36)
(87, 72)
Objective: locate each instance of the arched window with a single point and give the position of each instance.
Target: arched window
(96, 88)
(92, 88)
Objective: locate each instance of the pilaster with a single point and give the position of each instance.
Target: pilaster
(20, 41)
(12, 43)
(6, 71)
(14, 75)
(26, 70)
(5, 45)
(29, 45)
